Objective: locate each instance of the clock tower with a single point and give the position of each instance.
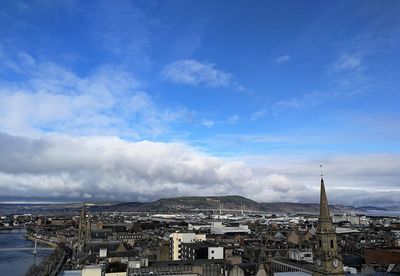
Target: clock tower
(326, 257)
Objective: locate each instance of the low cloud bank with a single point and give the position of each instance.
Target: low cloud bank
(59, 167)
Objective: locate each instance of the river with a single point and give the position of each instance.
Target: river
(17, 262)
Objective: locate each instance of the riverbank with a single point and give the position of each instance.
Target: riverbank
(12, 227)
(40, 241)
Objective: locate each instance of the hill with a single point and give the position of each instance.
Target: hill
(190, 203)
(232, 202)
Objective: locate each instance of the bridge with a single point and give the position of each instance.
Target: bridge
(227, 211)
(25, 249)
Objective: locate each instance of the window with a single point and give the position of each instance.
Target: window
(320, 243)
(212, 251)
(332, 244)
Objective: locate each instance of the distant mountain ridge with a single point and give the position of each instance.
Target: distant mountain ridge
(189, 203)
(233, 202)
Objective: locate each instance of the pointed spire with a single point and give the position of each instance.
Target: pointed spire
(83, 213)
(323, 207)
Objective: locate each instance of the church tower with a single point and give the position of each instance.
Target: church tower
(326, 256)
(83, 233)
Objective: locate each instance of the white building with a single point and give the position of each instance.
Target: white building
(176, 240)
(218, 228)
(194, 227)
(92, 270)
(216, 252)
(353, 219)
(301, 255)
(350, 270)
(344, 230)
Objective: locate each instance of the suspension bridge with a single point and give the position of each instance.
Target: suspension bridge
(26, 249)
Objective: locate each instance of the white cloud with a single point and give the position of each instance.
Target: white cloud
(234, 119)
(347, 62)
(208, 123)
(282, 59)
(305, 100)
(107, 101)
(67, 167)
(259, 114)
(108, 168)
(192, 72)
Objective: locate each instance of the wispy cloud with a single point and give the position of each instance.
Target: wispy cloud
(208, 123)
(18, 62)
(347, 62)
(349, 72)
(306, 100)
(122, 29)
(108, 101)
(282, 59)
(346, 77)
(261, 113)
(193, 72)
(233, 119)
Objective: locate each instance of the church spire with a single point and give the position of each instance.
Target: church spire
(323, 207)
(327, 258)
(324, 220)
(82, 234)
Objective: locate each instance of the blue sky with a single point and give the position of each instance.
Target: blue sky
(238, 81)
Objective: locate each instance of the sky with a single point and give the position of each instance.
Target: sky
(139, 100)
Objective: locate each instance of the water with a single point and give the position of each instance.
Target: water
(383, 213)
(16, 263)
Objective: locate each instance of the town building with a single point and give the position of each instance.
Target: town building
(201, 250)
(176, 240)
(218, 228)
(303, 255)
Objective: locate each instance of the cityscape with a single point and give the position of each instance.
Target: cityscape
(199, 138)
(233, 238)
